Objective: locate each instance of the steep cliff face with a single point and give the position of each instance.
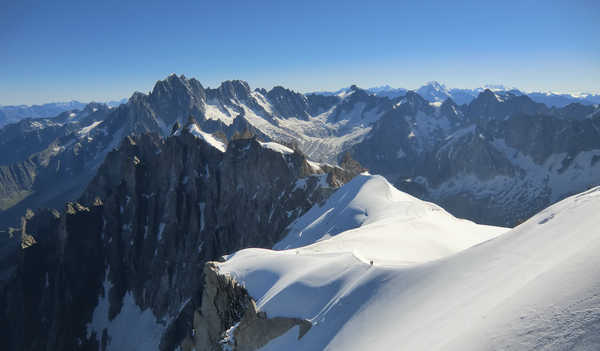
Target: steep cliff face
(123, 270)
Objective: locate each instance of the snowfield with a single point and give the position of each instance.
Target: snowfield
(436, 282)
(383, 224)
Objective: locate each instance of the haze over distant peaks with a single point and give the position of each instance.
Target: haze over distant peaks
(434, 91)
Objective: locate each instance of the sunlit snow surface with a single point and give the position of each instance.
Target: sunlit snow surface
(431, 287)
(277, 147)
(209, 138)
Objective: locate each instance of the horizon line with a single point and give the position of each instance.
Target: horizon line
(572, 93)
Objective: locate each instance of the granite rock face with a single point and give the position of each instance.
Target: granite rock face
(228, 318)
(134, 246)
(289, 103)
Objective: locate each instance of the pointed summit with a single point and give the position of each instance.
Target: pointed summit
(235, 90)
(434, 91)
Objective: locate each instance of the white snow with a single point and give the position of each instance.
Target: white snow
(85, 131)
(368, 207)
(538, 180)
(214, 110)
(430, 286)
(36, 125)
(131, 329)
(276, 147)
(314, 166)
(321, 137)
(209, 138)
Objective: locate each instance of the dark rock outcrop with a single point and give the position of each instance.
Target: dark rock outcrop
(288, 103)
(228, 317)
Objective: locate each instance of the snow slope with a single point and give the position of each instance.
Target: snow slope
(209, 138)
(383, 224)
(534, 287)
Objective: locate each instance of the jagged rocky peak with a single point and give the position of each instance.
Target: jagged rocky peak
(450, 109)
(412, 103)
(357, 100)
(358, 93)
(95, 107)
(234, 90)
(261, 91)
(288, 103)
(137, 97)
(436, 85)
(412, 97)
(491, 105)
(434, 91)
(431, 88)
(576, 111)
(320, 103)
(488, 96)
(174, 87)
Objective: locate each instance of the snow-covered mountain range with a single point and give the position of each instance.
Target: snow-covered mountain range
(434, 91)
(14, 113)
(462, 156)
(154, 188)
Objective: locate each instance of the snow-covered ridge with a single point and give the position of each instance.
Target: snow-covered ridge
(209, 138)
(369, 208)
(533, 287)
(276, 147)
(85, 131)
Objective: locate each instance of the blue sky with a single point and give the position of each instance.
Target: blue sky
(63, 50)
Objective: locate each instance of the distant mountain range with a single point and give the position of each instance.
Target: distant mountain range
(437, 92)
(430, 91)
(15, 113)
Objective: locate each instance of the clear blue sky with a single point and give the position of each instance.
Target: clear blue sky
(63, 50)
